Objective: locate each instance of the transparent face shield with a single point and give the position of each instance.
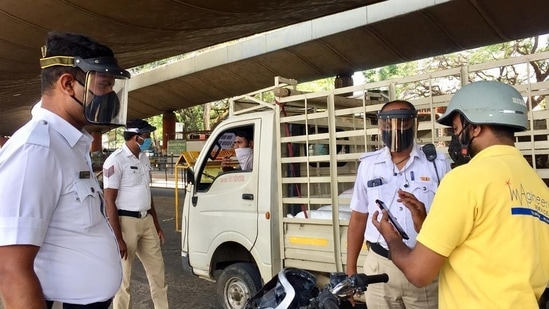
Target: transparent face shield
(105, 99)
(398, 128)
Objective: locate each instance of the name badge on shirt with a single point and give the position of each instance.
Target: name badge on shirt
(133, 167)
(376, 182)
(84, 175)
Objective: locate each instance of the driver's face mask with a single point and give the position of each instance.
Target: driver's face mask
(242, 155)
(398, 128)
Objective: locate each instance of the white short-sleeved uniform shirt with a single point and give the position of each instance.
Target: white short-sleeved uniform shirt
(131, 176)
(50, 198)
(378, 178)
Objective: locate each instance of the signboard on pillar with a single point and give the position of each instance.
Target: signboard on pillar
(177, 146)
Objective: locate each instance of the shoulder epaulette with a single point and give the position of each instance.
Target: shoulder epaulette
(116, 153)
(39, 134)
(370, 154)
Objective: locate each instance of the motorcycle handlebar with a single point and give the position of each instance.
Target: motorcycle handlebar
(364, 280)
(340, 289)
(356, 283)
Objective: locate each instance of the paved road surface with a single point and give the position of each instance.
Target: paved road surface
(184, 290)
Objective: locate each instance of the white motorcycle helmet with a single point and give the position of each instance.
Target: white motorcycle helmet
(488, 102)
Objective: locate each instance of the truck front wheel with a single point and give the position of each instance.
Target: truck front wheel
(238, 283)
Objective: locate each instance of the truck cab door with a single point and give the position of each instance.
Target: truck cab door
(224, 205)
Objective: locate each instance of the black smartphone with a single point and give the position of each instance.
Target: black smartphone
(393, 220)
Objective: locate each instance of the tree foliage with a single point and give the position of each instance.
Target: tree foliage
(318, 85)
(192, 118)
(538, 70)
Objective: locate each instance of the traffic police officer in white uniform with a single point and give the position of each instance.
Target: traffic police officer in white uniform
(126, 179)
(400, 176)
(55, 241)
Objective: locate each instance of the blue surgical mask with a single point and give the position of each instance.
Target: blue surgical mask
(147, 143)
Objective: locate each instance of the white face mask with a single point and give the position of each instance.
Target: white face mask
(245, 158)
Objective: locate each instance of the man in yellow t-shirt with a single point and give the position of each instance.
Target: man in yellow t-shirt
(487, 232)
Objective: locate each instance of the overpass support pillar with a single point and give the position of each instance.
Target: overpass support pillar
(168, 127)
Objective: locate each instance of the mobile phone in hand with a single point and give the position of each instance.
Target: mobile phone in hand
(393, 220)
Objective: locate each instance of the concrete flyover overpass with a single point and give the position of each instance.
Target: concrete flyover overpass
(300, 39)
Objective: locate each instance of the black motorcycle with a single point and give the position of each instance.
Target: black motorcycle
(294, 288)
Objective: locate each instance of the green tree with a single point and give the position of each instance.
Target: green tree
(318, 85)
(192, 118)
(218, 112)
(539, 70)
(113, 139)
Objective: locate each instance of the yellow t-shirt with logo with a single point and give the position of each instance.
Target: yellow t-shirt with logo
(490, 217)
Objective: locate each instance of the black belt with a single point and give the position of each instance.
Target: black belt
(127, 213)
(377, 248)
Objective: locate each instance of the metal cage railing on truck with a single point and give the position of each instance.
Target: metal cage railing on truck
(329, 132)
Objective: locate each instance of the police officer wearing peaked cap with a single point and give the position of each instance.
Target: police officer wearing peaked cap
(131, 212)
(55, 242)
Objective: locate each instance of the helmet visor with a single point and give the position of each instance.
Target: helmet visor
(105, 98)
